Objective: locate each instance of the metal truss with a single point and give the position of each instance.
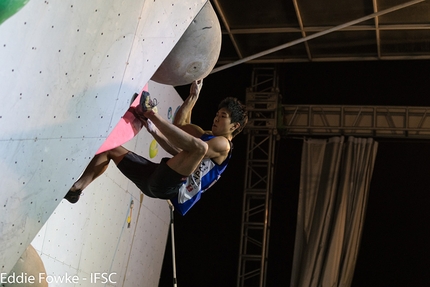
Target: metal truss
(262, 103)
(373, 121)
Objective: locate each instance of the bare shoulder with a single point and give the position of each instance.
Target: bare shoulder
(218, 149)
(220, 143)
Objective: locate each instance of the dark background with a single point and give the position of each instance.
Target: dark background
(395, 244)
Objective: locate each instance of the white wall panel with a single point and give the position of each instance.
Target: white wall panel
(68, 70)
(92, 236)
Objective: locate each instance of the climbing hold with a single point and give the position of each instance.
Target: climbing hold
(10, 7)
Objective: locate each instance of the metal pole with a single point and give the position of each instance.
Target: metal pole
(172, 234)
(316, 35)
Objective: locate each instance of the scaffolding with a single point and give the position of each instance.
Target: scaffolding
(360, 121)
(262, 101)
(268, 121)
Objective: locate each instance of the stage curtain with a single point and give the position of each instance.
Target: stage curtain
(334, 186)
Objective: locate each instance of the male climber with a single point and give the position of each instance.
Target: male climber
(199, 157)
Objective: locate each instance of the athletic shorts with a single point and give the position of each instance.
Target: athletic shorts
(155, 180)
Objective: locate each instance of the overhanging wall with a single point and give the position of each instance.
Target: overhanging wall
(68, 71)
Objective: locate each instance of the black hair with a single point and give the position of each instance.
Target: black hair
(238, 113)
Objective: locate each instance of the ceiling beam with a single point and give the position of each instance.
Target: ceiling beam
(227, 27)
(377, 33)
(380, 27)
(280, 60)
(316, 35)
(299, 19)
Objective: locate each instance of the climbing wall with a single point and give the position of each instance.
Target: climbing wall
(112, 230)
(68, 71)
